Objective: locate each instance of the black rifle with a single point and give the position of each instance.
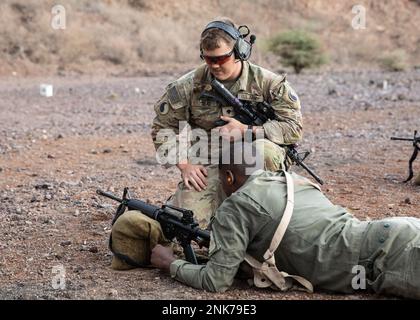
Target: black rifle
(176, 223)
(416, 145)
(255, 114)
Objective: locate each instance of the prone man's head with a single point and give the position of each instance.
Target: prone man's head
(237, 162)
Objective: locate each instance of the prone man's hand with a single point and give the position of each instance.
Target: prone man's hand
(162, 257)
(193, 174)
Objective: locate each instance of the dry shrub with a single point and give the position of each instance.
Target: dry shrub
(138, 4)
(166, 41)
(76, 46)
(115, 49)
(298, 49)
(394, 61)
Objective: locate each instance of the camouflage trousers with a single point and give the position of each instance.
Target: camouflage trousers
(204, 203)
(390, 253)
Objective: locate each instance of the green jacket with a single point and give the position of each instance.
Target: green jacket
(322, 242)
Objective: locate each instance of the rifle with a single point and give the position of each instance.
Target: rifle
(177, 223)
(256, 115)
(416, 145)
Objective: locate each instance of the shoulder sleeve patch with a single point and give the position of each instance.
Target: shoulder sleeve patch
(290, 94)
(173, 95)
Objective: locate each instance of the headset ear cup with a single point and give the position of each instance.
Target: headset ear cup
(243, 48)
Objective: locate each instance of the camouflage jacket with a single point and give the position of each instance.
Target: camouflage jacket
(181, 102)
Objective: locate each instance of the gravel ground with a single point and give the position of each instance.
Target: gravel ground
(95, 133)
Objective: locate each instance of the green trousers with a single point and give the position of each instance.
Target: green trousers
(390, 253)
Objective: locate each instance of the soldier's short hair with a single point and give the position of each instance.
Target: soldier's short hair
(235, 157)
(210, 39)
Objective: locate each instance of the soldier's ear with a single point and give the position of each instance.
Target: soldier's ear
(230, 178)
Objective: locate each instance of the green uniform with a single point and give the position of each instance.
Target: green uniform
(323, 242)
(183, 102)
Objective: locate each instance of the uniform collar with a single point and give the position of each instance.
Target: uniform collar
(242, 82)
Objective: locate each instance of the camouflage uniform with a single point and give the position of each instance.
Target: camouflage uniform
(323, 242)
(182, 102)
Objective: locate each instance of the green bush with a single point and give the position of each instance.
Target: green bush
(297, 49)
(394, 61)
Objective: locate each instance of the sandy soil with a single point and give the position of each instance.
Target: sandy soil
(95, 133)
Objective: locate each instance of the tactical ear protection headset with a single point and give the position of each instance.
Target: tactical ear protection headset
(242, 47)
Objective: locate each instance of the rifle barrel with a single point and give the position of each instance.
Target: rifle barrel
(108, 195)
(402, 139)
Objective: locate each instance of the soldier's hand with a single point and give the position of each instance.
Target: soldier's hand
(194, 176)
(162, 257)
(233, 130)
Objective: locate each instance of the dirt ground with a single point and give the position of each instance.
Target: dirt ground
(95, 133)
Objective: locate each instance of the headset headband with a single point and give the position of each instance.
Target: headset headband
(231, 31)
(242, 47)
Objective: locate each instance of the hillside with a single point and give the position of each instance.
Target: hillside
(129, 37)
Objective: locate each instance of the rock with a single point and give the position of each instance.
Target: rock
(48, 196)
(15, 217)
(113, 96)
(407, 200)
(50, 156)
(113, 293)
(105, 206)
(93, 249)
(332, 92)
(401, 97)
(1, 169)
(107, 150)
(44, 185)
(33, 199)
(93, 152)
(78, 269)
(76, 213)
(390, 205)
(60, 136)
(65, 243)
